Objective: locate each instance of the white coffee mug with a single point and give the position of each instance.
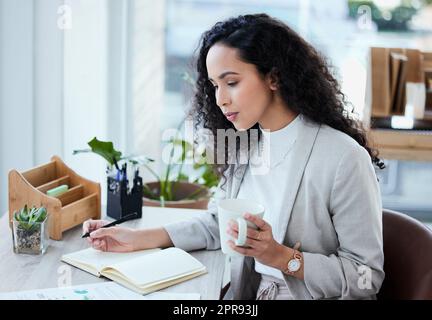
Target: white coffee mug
(233, 209)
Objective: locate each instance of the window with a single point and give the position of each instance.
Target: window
(343, 30)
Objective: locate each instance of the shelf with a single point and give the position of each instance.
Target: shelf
(402, 145)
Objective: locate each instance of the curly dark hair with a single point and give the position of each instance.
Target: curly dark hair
(305, 82)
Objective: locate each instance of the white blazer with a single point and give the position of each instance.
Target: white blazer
(333, 208)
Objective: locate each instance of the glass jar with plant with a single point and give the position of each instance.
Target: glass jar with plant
(30, 230)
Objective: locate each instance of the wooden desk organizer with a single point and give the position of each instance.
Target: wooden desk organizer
(81, 202)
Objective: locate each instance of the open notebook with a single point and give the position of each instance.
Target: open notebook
(143, 271)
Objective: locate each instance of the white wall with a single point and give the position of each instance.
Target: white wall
(59, 88)
(47, 81)
(53, 85)
(85, 85)
(146, 75)
(16, 96)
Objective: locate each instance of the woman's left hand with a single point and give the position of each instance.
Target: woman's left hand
(263, 247)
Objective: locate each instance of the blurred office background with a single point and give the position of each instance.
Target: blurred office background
(118, 70)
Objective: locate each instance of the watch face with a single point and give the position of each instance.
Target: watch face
(293, 265)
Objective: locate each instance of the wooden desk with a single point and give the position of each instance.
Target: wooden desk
(27, 272)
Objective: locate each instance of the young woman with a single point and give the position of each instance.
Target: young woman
(321, 235)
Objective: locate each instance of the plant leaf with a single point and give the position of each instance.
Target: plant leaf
(23, 215)
(17, 216)
(182, 177)
(195, 193)
(149, 193)
(40, 214)
(105, 149)
(210, 178)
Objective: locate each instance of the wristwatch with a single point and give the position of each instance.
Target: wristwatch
(295, 263)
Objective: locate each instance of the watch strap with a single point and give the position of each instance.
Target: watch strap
(296, 256)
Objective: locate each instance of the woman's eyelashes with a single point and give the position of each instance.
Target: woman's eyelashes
(230, 84)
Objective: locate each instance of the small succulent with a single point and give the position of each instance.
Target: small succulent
(27, 218)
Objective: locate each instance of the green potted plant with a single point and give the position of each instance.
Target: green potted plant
(30, 230)
(174, 188)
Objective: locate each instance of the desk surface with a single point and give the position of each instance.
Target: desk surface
(27, 272)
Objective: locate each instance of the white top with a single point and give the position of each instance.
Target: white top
(332, 206)
(266, 180)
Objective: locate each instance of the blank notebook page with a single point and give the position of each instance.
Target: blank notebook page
(100, 259)
(162, 265)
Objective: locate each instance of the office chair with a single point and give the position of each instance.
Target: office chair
(407, 258)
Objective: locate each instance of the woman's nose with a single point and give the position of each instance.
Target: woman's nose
(222, 98)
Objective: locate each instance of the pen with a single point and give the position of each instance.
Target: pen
(137, 182)
(115, 163)
(125, 218)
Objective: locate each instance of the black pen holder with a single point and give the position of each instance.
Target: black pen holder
(121, 201)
